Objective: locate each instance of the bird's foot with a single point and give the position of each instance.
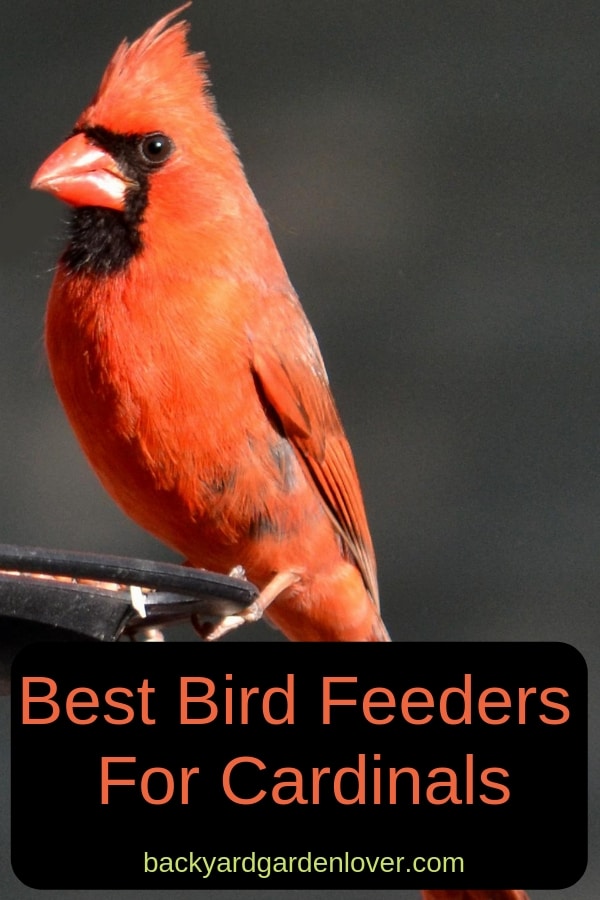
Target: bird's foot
(213, 631)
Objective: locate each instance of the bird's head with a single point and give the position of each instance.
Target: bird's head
(148, 147)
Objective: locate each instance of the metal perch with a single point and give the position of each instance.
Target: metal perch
(34, 608)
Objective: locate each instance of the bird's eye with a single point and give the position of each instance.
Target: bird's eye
(156, 148)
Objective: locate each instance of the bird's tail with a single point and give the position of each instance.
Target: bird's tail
(379, 633)
(474, 895)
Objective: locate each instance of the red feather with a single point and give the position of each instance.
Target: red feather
(191, 375)
(184, 360)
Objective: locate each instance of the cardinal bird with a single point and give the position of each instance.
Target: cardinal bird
(184, 361)
(186, 364)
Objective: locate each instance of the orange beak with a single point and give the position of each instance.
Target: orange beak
(82, 174)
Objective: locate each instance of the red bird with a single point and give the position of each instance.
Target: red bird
(185, 363)
(184, 360)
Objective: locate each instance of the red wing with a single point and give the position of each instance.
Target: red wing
(293, 380)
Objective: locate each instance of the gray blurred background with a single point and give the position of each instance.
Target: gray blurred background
(430, 172)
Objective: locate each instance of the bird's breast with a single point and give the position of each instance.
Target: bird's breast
(163, 401)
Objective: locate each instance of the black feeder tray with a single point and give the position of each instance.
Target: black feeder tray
(43, 609)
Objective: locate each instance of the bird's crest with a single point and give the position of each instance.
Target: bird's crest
(155, 73)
